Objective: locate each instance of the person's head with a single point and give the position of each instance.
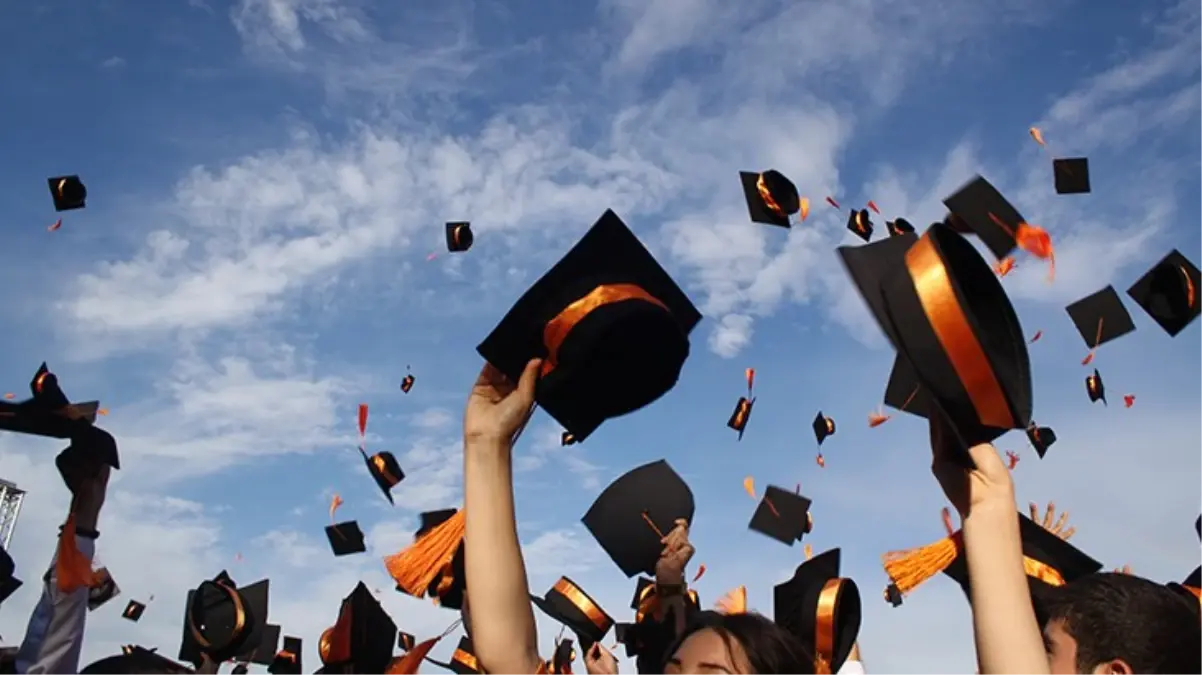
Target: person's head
(1119, 623)
(737, 643)
(140, 661)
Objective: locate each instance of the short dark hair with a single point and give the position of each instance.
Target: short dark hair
(1150, 627)
(769, 648)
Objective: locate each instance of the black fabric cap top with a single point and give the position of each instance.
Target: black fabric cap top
(405, 641)
(1071, 175)
(568, 604)
(1041, 438)
(1100, 317)
(741, 415)
(345, 538)
(133, 611)
(795, 606)
(903, 391)
(610, 324)
(622, 517)
(860, 224)
(982, 209)
(1043, 546)
(1169, 292)
(101, 593)
(290, 663)
(216, 613)
(68, 192)
(782, 515)
(372, 632)
(1194, 579)
(452, 596)
(459, 236)
(823, 427)
(945, 311)
(265, 653)
(566, 438)
(135, 660)
(463, 659)
(898, 227)
(385, 470)
(1095, 387)
(781, 191)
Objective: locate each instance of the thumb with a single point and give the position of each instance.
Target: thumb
(529, 378)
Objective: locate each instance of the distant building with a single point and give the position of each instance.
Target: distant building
(11, 498)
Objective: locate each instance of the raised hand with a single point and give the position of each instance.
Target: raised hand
(677, 553)
(600, 661)
(1056, 527)
(497, 409)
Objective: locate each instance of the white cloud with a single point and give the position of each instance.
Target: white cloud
(558, 552)
(112, 62)
(432, 419)
(544, 446)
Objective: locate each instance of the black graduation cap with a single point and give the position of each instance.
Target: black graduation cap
(224, 620)
(369, 634)
(134, 659)
(957, 329)
(405, 641)
(1100, 317)
(384, 470)
(771, 197)
(741, 415)
(782, 515)
(48, 412)
(1051, 561)
(463, 660)
(818, 602)
(1198, 526)
(629, 517)
(265, 653)
(240, 669)
(1071, 175)
(1194, 579)
(1095, 388)
(133, 611)
(568, 604)
(980, 208)
(8, 586)
(898, 227)
(346, 538)
(1041, 438)
(893, 595)
(859, 224)
(642, 587)
(1169, 292)
(609, 323)
(459, 236)
(566, 438)
(287, 661)
(903, 392)
(452, 593)
(407, 383)
(1191, 587)
(106, 590)
(68, 192)
(823, 427)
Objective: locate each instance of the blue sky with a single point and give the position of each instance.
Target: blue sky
(267, 177)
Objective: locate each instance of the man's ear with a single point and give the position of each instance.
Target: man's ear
(1114, 667)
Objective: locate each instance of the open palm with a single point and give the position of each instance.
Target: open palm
(497, 407)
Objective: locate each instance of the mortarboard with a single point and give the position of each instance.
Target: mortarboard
(459, 236)
(363, 636)
(1041, 438)
(133, 611)
(266, 652)
(287, 661)
(821, 609)
(566, 438)
(224, 620)
(384, 470)
(68, 192)
(1095, 388)
(741, 415)
(859, 224)
(8, 586)
(134, 659)
(1047, 559)
(568, 604)
(823, 427)
(449, 586)
(903, 391)
(782, 515)
(407, 383)
(346, 538)
(1169, 292)
(983, 211)
(1071, 175)
(632, 515)
(946, 313)
(610, 324)
(463, 660)
(898, 227)
(106, 590)
(771, 197)
(1100, 318)
(405, 641)
(48, 412)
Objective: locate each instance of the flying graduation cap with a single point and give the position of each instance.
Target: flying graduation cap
(135, 659)
(362, 639)
(287, 661)
(771, 197)
(48, 412)
(610, 325)
(385, 470)
(133, 611)
(405, 641)
(898, 227)
(1100, 317)
(957, 329)
(1041, 438)
(630, 518)
(68, 193)
(8, 583)
(1095, 388)
(823, 427)
(433, 565)
(103, 589)
(903, 392)
(345, 538)
(741, 415)
(820, 608)
(1071, 175)
(223, 620)
(782, 515)
(568, 604)
(860, 224)
(566, 439)
(1169, 292)
(979, 208)
(407, 382)
(459, 236)
(267, 650)
(463, 659)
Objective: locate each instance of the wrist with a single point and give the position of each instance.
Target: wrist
(990, 511)
(489, 446)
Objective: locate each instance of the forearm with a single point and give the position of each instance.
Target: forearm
(503, 632)
(1007, 635)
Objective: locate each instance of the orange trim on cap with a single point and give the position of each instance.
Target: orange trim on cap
(382, 467)
(37, 383)
(466, 659)
(558, 328)
(239, 615)
(1042, 571)
(766, 195)
(582, 602)
(824, 626)
(933, 286)
(1194, 590)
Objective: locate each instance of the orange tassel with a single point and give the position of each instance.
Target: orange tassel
(410, 661)
(734, 602)
(700, 573)
(909, 569)
(876, 419)
(71, 567)
(416, 567)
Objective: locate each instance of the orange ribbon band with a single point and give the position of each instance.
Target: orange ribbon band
(239, 615)
(1194, 590)
(382, 467)
(1189, 287)
(742, 412)
(583, 603)
(37, 383)
(766, 195)
(466, 659)
(558, 328)
(455, 235)
(955, 335)
(1042, 571)
(824, 626)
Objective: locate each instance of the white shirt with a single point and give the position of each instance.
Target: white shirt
(851, 668)
(54, 638)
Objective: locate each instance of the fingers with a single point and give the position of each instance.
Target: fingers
(1049, 515)
(1067, 534)
(1061, 522)
(529, 379)
(682, 523)
(594, 652)
(1034, 511)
